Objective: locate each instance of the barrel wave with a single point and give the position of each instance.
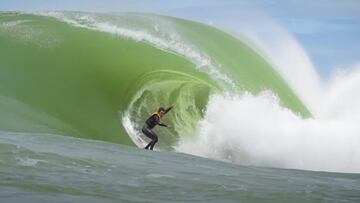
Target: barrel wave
(76, 88)
(99, 76)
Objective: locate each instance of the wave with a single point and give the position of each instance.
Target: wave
(99, 76)
(257, 130)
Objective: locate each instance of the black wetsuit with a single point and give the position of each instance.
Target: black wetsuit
(150, 123)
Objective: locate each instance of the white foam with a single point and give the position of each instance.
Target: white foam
(154, 175)
(291, 61)
(28, 161)
(10, 24)
(134, 134)
(257, 130)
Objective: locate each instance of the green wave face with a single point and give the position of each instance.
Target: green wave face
(100, 76)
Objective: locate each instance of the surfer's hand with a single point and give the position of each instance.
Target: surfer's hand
(173, 105)
(169, 126)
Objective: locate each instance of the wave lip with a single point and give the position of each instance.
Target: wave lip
(165, 38)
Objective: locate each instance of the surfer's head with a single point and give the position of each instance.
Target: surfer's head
(161, 111)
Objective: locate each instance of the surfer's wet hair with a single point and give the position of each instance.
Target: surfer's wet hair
(161, 109)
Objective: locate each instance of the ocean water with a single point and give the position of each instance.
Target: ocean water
(53, 168)
(75, 89)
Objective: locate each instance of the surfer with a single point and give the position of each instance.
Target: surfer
(151, 122)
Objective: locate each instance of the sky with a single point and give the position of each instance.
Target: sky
(329, 30)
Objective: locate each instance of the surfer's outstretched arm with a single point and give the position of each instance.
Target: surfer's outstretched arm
(162, 124)
(168, 109)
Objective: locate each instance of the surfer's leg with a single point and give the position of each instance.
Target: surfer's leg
(153, 142)
(150, 134)
(148, 145)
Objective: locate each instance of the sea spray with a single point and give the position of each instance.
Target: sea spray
(258, 130)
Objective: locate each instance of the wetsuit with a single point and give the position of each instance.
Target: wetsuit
(150, 123)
